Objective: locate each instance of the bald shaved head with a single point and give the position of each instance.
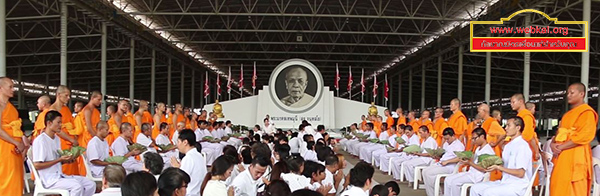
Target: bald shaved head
(576, 93)
(455, 105)
(62, 89)
(483, 110)
(530, 106)
(43, 102)
(6, 87)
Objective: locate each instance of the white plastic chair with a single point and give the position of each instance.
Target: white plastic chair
(390, 167)
(39, 188)
(26, 179)
(465, 187)
(88, 171)
(529, 190)
(401, 171)
(595, 186)
(545, 189)
(438, 179)
(417, 177)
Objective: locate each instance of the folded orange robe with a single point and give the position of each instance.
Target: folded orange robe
(11, 167)
(572, 173)
(458, 122)
(438, 127)
(494, 131)
(156, 127)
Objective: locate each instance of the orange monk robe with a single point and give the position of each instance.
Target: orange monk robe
(390, 122)
(377, 127)
(69, 129)
(439, 127)
(363, 124)
(494, 131)
(83, 134)
(401, 120)
(458, 122)
(128, 117)
(39, 124)
(11, 167)
(180, 118)
(156, 128)
(147, 117)
(468, 136)
(415, 124)
(572, 173)
(188, 124)
(114, 131)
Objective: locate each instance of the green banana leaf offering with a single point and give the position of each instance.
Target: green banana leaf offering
(165, 147)
(137, 146)
(435, 152)
(412, 149)
(464, 155)
(375, 140)
(386, 142)
(399, 140)
(490, 160)
(116, 159)
(73, 151)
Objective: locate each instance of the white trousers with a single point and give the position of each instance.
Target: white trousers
(367, 151)
(384, 160)
(132, 166)
(76, 185)
(496, 188)
(409, 166)
(454, 182)
(431, 172)
(377, 155)
(397, 164)
(211, 155)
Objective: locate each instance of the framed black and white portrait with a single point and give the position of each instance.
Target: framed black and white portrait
(296, 85)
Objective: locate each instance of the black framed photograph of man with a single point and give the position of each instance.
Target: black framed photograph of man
(296, 85)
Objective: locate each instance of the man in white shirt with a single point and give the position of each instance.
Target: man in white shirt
(454, 182)
(351, 142)
(212, 150)
(113, 176)
(355, 150)
(294, 143)
(446, 163)
(517, 170)
(420, 159)
(145, 137)
(333, 174)
(361, 177)
(98, 150)
(319, 134)
(269, 128)
(310, 154)
(48, 162)
(366, 152)
(409, 136)
(180, 126)
(246, 183)
(119, 148)
(308, 128)
(236, 142)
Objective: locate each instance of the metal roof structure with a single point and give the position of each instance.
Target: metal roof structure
(410, 41)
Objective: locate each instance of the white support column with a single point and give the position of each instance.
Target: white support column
(192, 92)
(460, 72)
(20, 97)
(410, 87)
(439, 82)
(131, 72)
(488, 75)
(64, 13)
(103, 71)
(182, 85)
(423, 75)
(585, 56)
(169, 83)
(153, 78)
(526, 63)
(399, 90)
(2, 38)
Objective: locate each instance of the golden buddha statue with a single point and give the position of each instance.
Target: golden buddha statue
(218, 109)
(372, 109)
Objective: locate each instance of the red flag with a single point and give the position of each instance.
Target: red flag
(350, 80)
(375, 86)
(206, 87)
(241, 82)
(229, 81)
(337, 77)
(254, 77)
(362, 82)
(386, 89)
(218, 85)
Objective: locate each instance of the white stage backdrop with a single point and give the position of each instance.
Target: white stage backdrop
(295, 93)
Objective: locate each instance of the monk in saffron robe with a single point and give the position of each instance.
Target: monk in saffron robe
(128, 117)
(177, 117)
(494, 132)
(476, 123)
(517, 102)
(439, 124)
(412, 121)
(458, 120)
(401, 118)
(424, 121)
(87, 119)
(43, 104)
(389, 120)
(142, 116)
(114, 123)
(377, 123)
(159, 117)
(63, 95)
(572, 173)
(12, 143)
